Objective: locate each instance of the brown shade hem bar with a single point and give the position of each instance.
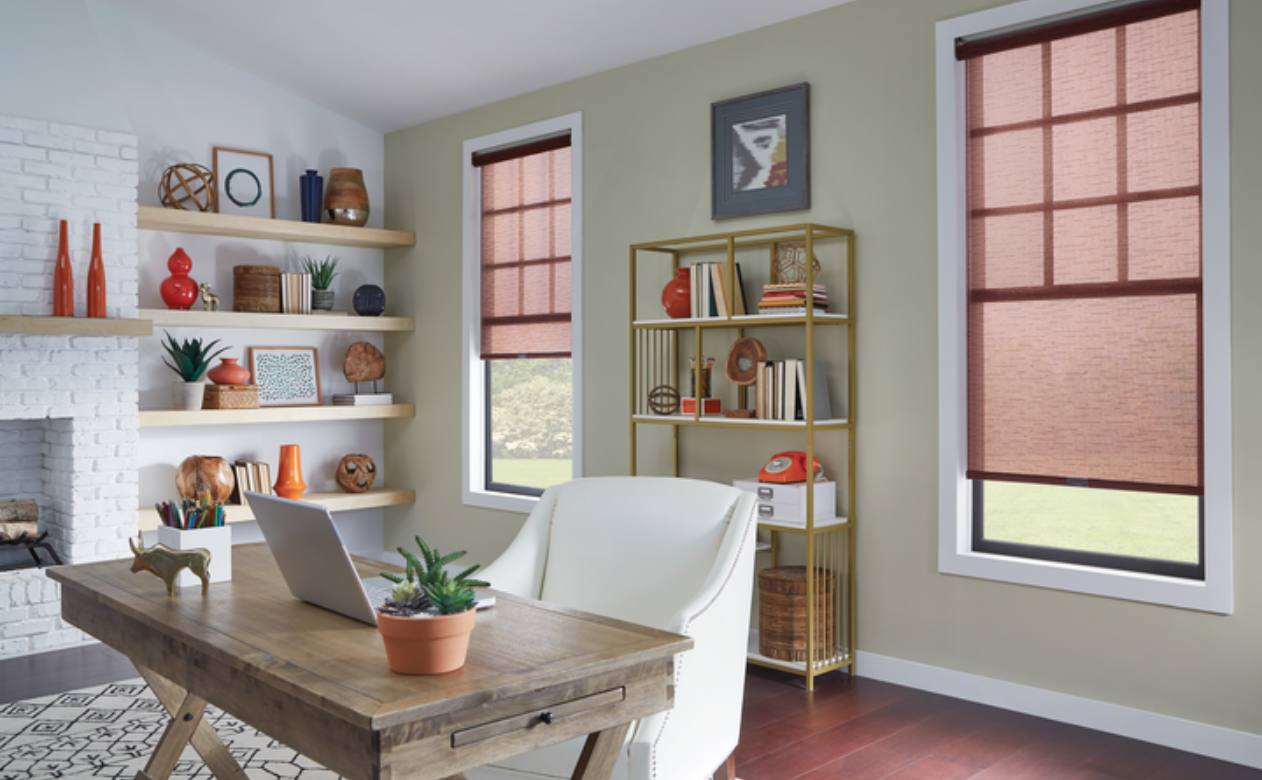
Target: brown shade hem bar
(524, 355)
(1101, 484)
(1127, 289)
(521, 150)
(1091, 21)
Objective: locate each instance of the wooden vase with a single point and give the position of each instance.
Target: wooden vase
(346, 199)
(289, 482)
(96, 276)
(63, 275)
(205, 476)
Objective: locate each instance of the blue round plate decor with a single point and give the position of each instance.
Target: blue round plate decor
(369, 300)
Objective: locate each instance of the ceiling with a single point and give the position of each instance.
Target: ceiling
(392, 64)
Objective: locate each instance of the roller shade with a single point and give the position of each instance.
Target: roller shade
(1084, 252)
(526, 307)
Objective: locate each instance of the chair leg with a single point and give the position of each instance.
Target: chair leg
(728, 770)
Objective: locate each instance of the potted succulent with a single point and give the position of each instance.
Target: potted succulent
(322, 273)
(428, 618)
(189, 360)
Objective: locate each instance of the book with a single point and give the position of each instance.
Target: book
(265, 471)
(740, 306)
(823, 405)
(791, 389)
(363, 399)
(241, 473)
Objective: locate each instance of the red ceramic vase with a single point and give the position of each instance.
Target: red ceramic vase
(677, 295)
(63, 275)
(289, 482)
(96, 276)
(228, 372)
(179, 290)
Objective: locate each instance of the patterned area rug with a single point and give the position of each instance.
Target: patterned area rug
(110, 731)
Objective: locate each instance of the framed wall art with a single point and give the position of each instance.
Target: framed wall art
(286, 376)
(760, 153)
(243, 182)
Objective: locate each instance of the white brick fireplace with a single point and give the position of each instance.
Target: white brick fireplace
(68, 404)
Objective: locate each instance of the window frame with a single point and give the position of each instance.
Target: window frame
(956, 554)
(475, 409)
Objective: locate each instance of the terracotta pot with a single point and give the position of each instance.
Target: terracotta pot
(96, 276)
(346, 199)
(188, 395)
(205, 475)
(179, 290)
(677, 295)
(63, 275)
(434, 644)
(289, 482)
(229, 372)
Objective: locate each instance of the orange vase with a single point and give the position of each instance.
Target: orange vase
(289, 482)
(96, 276)
(63, 276)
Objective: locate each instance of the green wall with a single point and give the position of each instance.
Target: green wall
(646, 150)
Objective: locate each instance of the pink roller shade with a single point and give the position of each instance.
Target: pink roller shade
(1084, 255)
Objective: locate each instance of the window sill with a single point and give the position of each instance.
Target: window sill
(1199, 595)
(503, 502)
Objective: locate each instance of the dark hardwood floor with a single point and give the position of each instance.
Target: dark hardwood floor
(857, 730)
(864, 730)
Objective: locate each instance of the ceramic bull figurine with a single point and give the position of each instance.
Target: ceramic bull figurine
(167, 563)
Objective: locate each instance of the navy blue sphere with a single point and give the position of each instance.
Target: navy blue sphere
(369, 301)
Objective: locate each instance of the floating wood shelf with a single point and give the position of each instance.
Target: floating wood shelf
(274, 414)
(737, 422)
(335, 502)
(73, 326)
(743, 321)
(235, 226)
(194, 318)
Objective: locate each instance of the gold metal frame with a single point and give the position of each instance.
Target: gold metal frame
(832, 547)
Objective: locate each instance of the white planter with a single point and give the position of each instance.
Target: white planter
(217, 540)
(188, 395)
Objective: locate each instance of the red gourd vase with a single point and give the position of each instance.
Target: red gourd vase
(179, 290)
(63, 275)
(96, 276)
(289, 482)
(677, 295)
(229, 372)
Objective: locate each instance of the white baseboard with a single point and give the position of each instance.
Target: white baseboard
(1240, 747)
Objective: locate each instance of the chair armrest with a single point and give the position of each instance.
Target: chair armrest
(519, 570)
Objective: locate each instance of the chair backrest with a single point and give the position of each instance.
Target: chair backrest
(634, 548)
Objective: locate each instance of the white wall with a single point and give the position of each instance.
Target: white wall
(95, 62)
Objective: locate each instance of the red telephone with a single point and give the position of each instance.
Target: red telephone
(788, 467)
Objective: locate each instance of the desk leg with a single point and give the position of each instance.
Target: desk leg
(600, 752)
(204, 739)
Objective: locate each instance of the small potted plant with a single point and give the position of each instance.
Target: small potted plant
(190, 360)
(428, 618)
(322, 273)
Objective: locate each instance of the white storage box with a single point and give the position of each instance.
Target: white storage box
(786, 504)
(217, 540)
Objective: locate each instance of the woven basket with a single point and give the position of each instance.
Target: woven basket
(256, 288)
(782, 613)
(231, 397)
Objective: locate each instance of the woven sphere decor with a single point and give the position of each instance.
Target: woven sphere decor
(187, 186)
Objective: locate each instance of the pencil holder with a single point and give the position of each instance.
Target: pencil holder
(217, 540)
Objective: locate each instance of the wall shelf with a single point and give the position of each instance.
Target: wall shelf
(235, 226)
(74, 326)
(171, 418)
(343, 321)
(737, 422)
(335, 502)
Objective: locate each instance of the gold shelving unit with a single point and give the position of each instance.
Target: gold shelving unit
(829, 544)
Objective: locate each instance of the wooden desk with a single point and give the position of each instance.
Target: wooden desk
(537, 674)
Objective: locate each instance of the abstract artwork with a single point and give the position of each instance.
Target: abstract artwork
(243, 182)
(286, 376)
(760, 153)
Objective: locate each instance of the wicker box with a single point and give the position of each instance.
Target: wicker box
(256, 288)
(231, 397)
(782, 612)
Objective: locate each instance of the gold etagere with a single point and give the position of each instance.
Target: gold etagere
(654, 349)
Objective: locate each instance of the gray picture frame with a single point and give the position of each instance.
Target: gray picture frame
(726, 200)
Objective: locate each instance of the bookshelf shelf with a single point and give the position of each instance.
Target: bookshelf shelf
(33, 325)
(275, 414)
(340, 321)
(335, 502)
(234, 226)
(743, 321)
(737, 422)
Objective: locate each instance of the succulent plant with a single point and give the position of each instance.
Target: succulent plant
(426, 586)
(322, 271)
(190, 359)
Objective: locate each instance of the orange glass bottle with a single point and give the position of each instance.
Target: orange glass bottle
(63, 276)
(289, 482)
(96, 276)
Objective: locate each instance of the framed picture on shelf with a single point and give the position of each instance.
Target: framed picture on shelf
(286, 376)
(243, 182)
(760, 153)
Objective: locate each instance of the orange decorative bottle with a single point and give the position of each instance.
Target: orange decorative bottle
(63, 276)
(96, 276)
(289, 482)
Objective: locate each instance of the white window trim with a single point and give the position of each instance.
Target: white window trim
(955, 556)
(473, 412)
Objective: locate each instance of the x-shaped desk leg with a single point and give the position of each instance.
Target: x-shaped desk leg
(187, 725)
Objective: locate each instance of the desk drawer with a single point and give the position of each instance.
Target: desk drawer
(542, 717)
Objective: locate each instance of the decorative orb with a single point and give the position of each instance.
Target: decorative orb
(205, 476)
(187, 186)
(664, 399)
(356, 472)
(364, 363)
(369, 300)
(791, 264)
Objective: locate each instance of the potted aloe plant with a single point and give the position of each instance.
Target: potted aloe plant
(189, 360)
(429, 617)
(322, 273)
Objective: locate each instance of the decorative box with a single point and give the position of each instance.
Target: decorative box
(256, 288)
(217, 540)
(786, 504)
(709, 406)
(231, 397)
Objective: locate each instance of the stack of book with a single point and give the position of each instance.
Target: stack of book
(363, 399)
(780, 391)
(790, 298)
(251, 476)
(295, 293)
(709, 291)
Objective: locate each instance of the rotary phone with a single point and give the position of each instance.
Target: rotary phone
(788, 467)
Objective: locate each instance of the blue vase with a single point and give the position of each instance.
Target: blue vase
(369, 300)
(311, 189)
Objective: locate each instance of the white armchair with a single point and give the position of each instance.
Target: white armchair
(675, 554)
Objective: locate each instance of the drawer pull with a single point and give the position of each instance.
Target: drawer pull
(546, 717)
(765, 492)
(766, 510)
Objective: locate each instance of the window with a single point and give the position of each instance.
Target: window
(521, 313)
(1080, 329)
